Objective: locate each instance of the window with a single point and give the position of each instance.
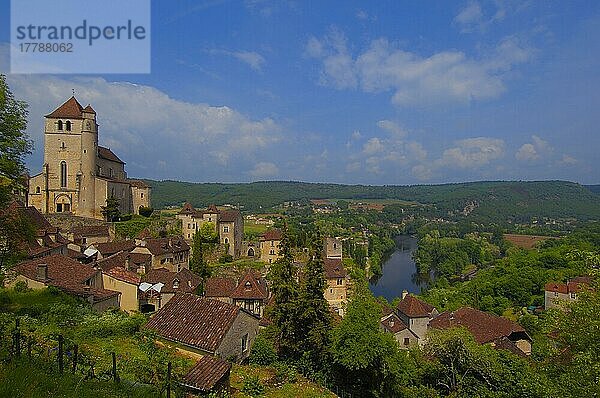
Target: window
(84, 240)
(555, 294)
(37, 189)
(60, 125)
(59, 208)
(142, 195)
(63, 146)
(340, 281)
(63, 174)
(272, 243)
(68, 125)
(272, 252)
(330, 291)
(176, 284)
(226, 229)
(573, 296)
(335, 245)
(111, 173)
(245, 343)
(226, 240)
(406, 341)
(66, 207)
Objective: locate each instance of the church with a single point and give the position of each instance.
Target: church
(78, 175)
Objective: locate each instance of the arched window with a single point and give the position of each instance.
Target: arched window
(60, 125)
(226, 240)
(37, 189)
(63, 174)
(68, 125)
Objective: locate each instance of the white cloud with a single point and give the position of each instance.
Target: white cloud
(392, 128)
(471, 14)
(568, 160)
(251, 58)
(446, 76)
(142, 124)
(373, 146)
(264, 169)
(537, 149)
(473, 17)
(472, 152)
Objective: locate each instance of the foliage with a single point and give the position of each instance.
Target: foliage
(253, 387)
(111, 211)
(145, 211)
(197, 263)
(263, 352)
(132, 227)
(20, 287)
(209, 233)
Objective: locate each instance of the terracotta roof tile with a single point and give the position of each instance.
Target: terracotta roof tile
(106, 153)
(70, 109)
(393, 324)
(251, 286)
(484, 326)
(219, 287)
(334, 268)
(160, 246)
(413, 307)
(187, 281)
(272, 234)
(229, 215)
(90, 230)
(89, 109)
(195, 321)
(556, 287)
(109, 248)
(207, 372)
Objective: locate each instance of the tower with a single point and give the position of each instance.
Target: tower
(86, 175)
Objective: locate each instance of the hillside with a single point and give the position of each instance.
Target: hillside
(510, 200)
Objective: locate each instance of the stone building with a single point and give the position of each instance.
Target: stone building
(416, 314)
(79, 176)
(269, 245)
(558, 294)
(337, 278)
(229, 225)
(333, 248)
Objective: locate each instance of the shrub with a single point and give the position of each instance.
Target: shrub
(226, 258)
(145, 211)
(253, 386)
(285, 373)
(20, 287)
(262, 352)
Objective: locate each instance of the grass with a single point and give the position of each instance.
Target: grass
(253, 228)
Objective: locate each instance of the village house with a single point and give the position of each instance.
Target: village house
(79, 176)
(209, 375)
(229, 225)
(206, 326)
(251, 293)
(391, 323)
(219, 288)
(159, 286)
(107, 249)
(487, 328)
(121, 273)
(337, 279)
(269, 245)
(86, 235)
(333, 248)
(558, 294)
(172, 253)
(415, 314)
(68, 275)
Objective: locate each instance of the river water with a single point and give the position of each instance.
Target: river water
(399, 271)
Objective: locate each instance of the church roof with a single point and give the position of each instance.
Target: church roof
(106, 153)
(70, 109)
(89, 109)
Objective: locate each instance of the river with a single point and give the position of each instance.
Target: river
(399, 271)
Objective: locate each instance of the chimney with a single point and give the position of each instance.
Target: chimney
(42, 272)
(404, 294)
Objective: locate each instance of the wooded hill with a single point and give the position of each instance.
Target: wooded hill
(508, 200)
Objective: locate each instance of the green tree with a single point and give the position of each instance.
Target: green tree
(111, 211)
(15, 228)
(197, 263)
(314, 318)
(209, 233)
(284, 285)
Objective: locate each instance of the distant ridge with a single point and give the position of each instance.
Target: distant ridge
(511, 199)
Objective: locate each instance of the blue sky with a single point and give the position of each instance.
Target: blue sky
(387, 92)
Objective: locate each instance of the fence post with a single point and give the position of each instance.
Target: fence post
(17, 337)
(60, 353)
(169, 380)
(114, 367)
(75, 352)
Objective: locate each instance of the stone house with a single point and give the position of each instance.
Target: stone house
(415, 314)
(107, 249)
(68, 275)
(557, 294)
(405, 337)
(487, 328)
(206, 326)
(337, 278)
(121, 273)
(229, 225)
(219, 288)
(251, 293)
(166, 284)
(333, 248)
(209, 375)
(172, 253)
(78, 176)
(86, 235)
(269, 245)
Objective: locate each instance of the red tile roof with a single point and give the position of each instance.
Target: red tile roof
(412, 307)
(187, 209)
(70, 109)
(187, 280)
(219, 287)
(273, 234)
(90, 230)
(334, 268)
(195, 321)
(575, 285)
(89, 109)
(109, 248)
(167, 245)
(484, 326)
(393, 324)
(556, 287)
(123, 266)
(106, 153)
(125, 275)
(252, 287)
(207, 372)
(230, 215)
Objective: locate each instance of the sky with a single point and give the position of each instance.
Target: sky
(358, 92)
